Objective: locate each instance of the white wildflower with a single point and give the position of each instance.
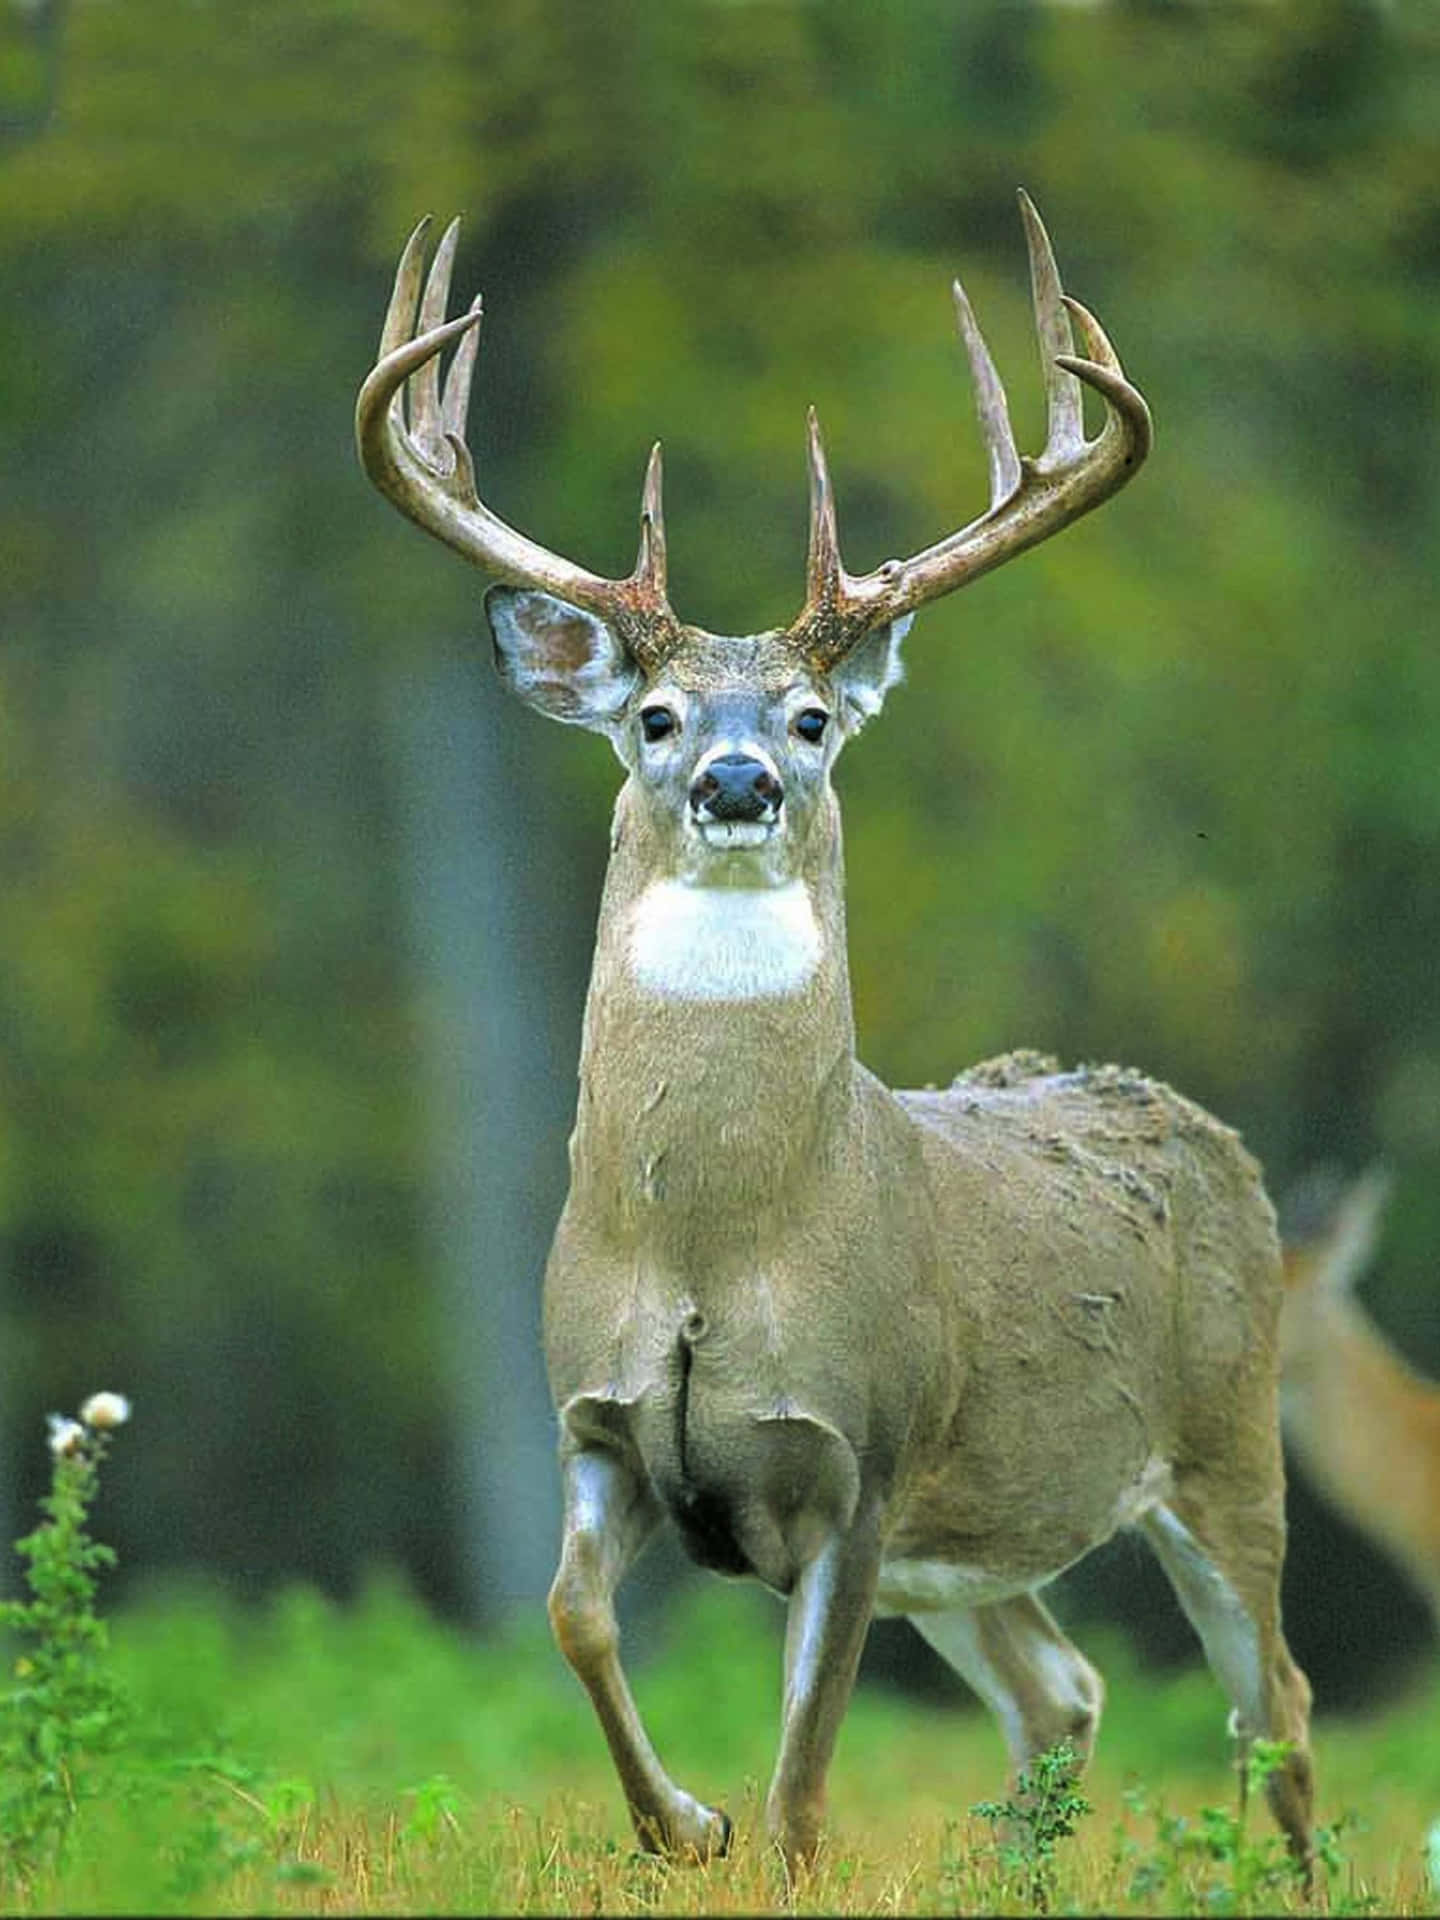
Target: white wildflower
(66, 1435)
(1432, 1856)
(105, 1410)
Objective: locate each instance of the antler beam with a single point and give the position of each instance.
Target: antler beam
(425, 467)
(1029, 498)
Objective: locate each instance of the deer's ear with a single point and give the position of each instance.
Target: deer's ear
(869, 671)
(558, 658)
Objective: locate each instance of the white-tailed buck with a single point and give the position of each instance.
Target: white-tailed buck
(1364, 1424)
(911, 1352)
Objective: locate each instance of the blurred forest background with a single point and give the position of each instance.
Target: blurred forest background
(295, 909)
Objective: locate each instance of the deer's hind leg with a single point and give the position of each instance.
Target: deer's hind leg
(1222, 1552)
(1039, 1686)
(609, 1514)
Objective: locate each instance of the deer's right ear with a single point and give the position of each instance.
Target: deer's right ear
(558, 658)
(869, 671)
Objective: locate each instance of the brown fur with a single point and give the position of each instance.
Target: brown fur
(1365, 1425)
(963, 1320)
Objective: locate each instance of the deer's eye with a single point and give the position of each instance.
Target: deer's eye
(657, 722)
(810, 723)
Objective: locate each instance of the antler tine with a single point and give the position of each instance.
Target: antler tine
(1030, 498)
(1097, 341)
(824, 570)
(405, 294)
(424, 394)
(427, 471)
(1104, 373)
(455, 401)
(990, 402)
(1065, 426)
(650, 561)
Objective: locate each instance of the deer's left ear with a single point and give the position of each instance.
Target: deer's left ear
(558, 658)
(869, 671)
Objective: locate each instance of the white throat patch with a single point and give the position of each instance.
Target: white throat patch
(724, 943)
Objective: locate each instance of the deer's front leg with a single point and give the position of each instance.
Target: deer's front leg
(609, 1514)
(830, 1609)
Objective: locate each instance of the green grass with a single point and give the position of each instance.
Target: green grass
(303, 1757)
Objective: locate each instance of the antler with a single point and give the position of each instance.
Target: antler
(425, 467)
(1029, 498)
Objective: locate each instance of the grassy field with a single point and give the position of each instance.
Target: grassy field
(308, 1758)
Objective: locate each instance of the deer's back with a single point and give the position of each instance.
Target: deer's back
(1106, 1155)
(1119, 1256)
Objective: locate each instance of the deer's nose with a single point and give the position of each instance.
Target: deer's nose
(736, 786)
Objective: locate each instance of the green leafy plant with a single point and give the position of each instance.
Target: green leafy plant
(1045, 1808)
(433, 1804)
(1214, 1857)
(62, 1709)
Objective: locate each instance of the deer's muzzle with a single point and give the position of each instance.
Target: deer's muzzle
(736, 787)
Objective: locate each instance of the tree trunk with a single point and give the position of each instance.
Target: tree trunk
(498, 953)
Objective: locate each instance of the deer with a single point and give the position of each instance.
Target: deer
(1364, 1423)
(901, 1352)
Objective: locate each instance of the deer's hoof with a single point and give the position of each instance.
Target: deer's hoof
(692, 1834)
(711, 1841)
(798, 1838)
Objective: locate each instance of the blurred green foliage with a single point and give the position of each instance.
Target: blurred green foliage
(1168, 792)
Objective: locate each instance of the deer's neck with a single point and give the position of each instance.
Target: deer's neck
(718, 1051)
